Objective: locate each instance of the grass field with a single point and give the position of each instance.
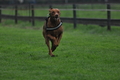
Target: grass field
(86, 53)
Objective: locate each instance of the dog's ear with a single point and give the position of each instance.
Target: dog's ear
(50, 9)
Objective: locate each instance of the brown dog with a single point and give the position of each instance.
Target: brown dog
(52, 30)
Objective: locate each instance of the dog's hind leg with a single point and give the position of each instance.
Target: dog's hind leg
(56, 42)
(54, 46)
(59, 38)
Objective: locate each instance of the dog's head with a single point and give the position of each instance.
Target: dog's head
(54, 13)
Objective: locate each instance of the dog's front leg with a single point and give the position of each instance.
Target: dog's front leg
(48, 44)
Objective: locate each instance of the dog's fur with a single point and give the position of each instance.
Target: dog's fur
(53, 35)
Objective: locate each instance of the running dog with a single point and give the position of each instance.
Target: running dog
(53, 30)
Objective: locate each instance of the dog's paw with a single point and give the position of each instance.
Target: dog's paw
(54, 55)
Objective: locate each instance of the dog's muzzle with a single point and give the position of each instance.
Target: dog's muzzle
(56, 16)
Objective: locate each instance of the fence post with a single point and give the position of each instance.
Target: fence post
(74, 16)
(108, 17)
(0, 14)
(50, 6)
(16, 14)
(33, 21)
(29, 13)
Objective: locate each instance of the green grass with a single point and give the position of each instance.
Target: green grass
(86, 53)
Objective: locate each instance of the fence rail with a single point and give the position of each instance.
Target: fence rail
(102, 22)
(86, 21)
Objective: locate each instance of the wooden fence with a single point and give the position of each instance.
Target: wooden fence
(102, 22)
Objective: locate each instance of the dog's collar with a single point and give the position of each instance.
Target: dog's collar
(52, 28)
